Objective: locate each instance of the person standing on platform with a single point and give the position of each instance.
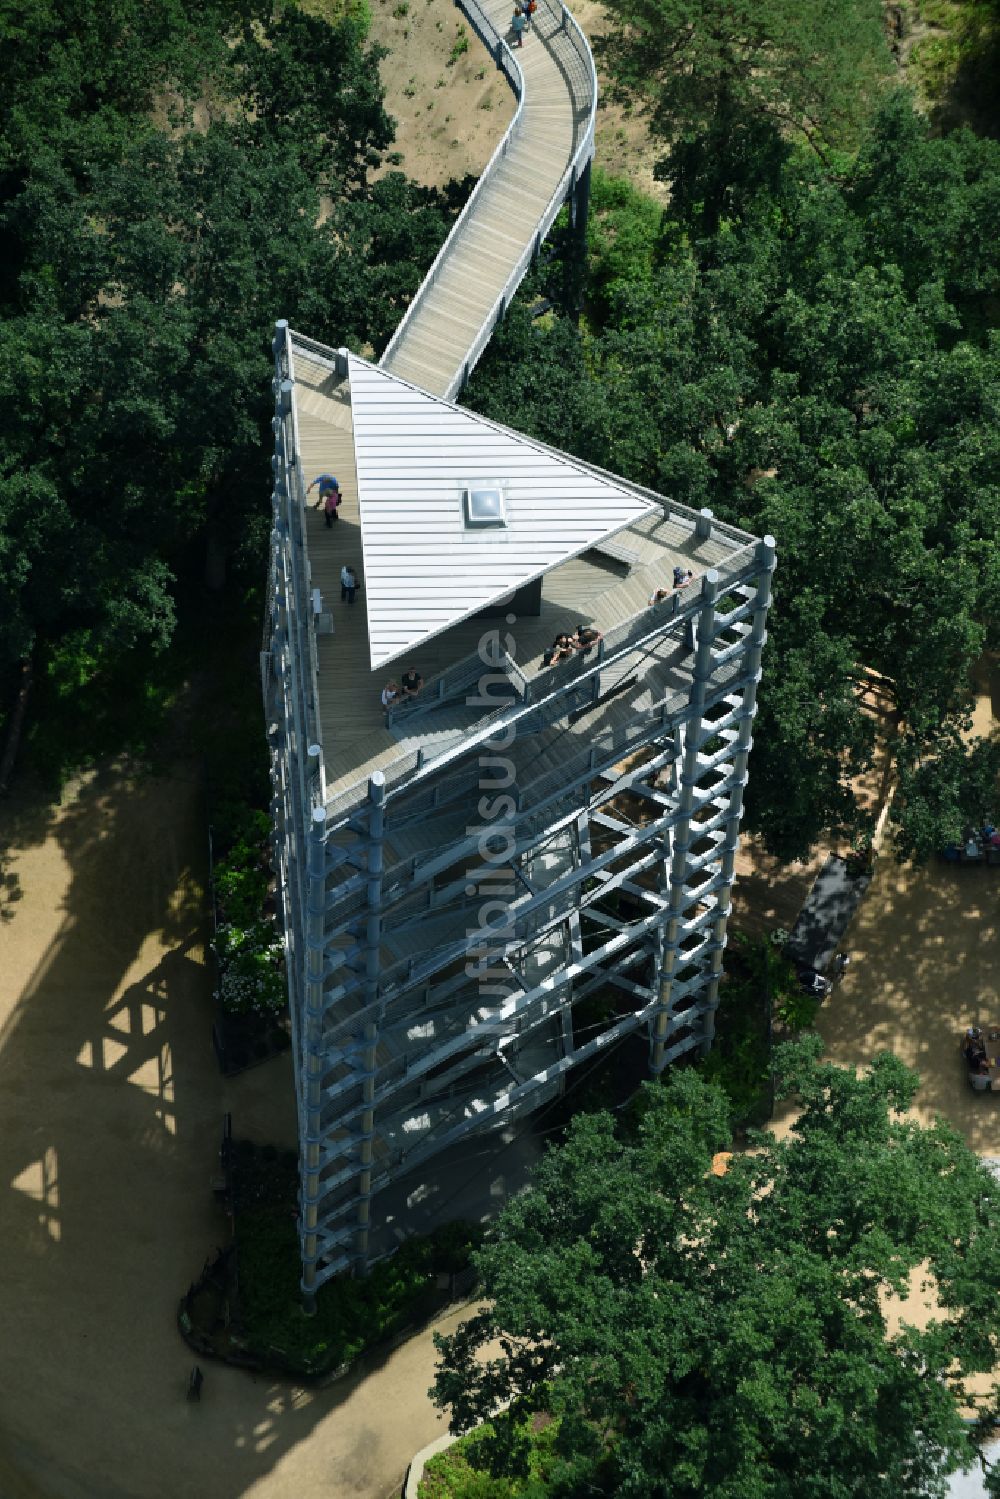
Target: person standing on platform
(518, 25)
(348, 583)
(412, 682)
(330, 502)
(586, 638)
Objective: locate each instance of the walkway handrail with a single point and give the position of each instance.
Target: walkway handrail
(443, 687)
(507, 64)
(497, 45)
(632, 635)
(297, 498)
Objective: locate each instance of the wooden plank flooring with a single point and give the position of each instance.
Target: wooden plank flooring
(450, 314)
(446, 323)
(585, 590)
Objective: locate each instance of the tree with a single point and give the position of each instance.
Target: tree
(144, 261)
(724, 82)
(946, 783)
(807, 370)
(730, 1337)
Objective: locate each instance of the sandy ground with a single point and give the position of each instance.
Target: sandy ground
(110, 1109)
(451, 107)
(924, 965)
(110, 1112)
(450, 114)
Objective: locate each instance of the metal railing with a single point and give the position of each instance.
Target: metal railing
(582, 151)
(629, 637)
(298, 581)
(452, 685)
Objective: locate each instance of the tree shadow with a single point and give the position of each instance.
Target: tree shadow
(10, 889)
(923, 968)
(970, 97)
(112, 1106)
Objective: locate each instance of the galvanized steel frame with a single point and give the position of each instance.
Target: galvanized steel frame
(348, 895)
(345, 900)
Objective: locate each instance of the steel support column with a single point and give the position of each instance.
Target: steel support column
(741, 755)
(373, 941)
(313, 1059)
(679, 871)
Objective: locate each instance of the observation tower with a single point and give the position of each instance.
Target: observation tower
(465, 871)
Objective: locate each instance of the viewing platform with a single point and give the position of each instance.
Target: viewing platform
(590, 588)
(453, 954)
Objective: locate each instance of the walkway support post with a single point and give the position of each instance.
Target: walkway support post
(576, 259)
(315, 954)
(742, 747)
(373, 941)
(679, 895)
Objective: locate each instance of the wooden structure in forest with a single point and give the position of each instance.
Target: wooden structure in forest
(460, 872)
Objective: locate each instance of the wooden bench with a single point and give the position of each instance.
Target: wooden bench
(614, 549)
(322, 618)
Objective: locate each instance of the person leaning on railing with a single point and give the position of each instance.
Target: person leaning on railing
(586, 637)
(412, 682)
(561, 649)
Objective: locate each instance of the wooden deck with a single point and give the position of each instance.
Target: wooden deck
(447, 320)
(450, 314)
(584, 590)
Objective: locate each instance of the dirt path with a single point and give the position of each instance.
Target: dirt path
(110, 1109)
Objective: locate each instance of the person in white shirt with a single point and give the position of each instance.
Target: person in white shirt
(390, 694)
(348, 583)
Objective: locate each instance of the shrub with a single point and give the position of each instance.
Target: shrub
(240, 892)
(251, 980)
(351, 1315)
(247, 942)
(459, 47)
(461, 1471)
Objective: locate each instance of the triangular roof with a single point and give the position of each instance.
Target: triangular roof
(424, 569)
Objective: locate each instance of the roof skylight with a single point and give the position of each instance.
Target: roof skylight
(483, 506)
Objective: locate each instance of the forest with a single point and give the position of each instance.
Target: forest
(175, 174)
(804, 339)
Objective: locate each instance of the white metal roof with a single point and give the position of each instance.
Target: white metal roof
(424, 569)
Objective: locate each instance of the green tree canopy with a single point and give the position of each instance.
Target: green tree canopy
(807, 370)
(723, 82)
(175, 175)
(947, 782)
(731, 1337)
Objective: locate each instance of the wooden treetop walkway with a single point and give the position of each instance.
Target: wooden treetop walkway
(541, 158)
(537, 165)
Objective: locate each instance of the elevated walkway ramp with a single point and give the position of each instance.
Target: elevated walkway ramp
(541, 160)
